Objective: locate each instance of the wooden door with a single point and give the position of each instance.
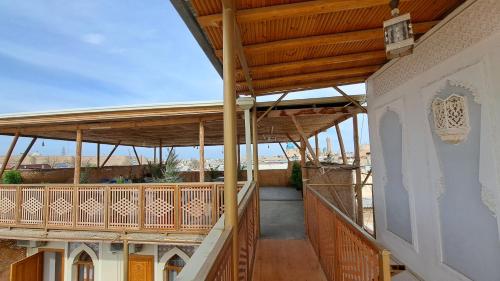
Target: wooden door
(28, 269)
(140, 268)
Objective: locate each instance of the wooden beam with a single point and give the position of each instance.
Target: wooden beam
(28, 149)
(125, 260)
(328, 39)
(341, 144)
(243, 59)
(154, 157)
(272, 106)
(137, 156)
(357, 160)
(357, 59)
(292, 10)
(255, 156)
(355, 102)
(109, 155)
(170, 152)
(161, 152)
(331, 74)
(9, 154)
(306, 141)
(296, 87)
(284, 152)
(316, 143)
(202, 152)
(78, 157)
(366, 178)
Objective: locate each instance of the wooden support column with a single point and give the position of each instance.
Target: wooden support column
(125, 260)
(25, 153)
(230, 171)
(303, 153)
(98, 155)
(284, 152)
(316, 143)
(357, 161)
(110, 154)
(341, 144)
(272, 106)
(154, 153)
(161, 152)
(9, 154)
(202, 151)
(78, 157)
(137, 156)
(306, 141)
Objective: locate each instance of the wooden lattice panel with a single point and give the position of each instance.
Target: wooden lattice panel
(91, 206)
(124, 207)
(159, 207)
(8, 199)
(32, 206)
(196, 207)
(61, 202)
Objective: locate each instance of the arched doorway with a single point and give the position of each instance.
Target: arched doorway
(172, 268)
(84, 267)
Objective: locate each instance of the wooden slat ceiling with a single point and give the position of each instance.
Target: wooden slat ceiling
(178, 126)
(293, 45)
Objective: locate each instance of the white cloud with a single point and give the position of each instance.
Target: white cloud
(94, 38)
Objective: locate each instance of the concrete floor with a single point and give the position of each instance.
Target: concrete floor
(282, 213)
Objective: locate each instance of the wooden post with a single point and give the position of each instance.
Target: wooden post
(316, 143)
(284, 152)
(137, 156)
(341, 144)
(255, 150)
(78, 157)
(25, 153)
(302, 151)
(9, 154)
(202, 152)
(125, 260)
(357, 162)
(154, 152)
(110, 154)
(230, 171)
(98, 155)
(161, 153)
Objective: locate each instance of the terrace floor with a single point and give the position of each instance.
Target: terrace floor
(283, 253)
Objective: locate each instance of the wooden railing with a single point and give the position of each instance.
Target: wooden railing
(213, 259)
(169, 207)
(345, 251)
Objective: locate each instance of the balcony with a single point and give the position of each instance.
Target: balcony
(102, 212)
(335, 248)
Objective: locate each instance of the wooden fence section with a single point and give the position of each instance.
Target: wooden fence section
(213, 259)
(169, 207)
(345, 251)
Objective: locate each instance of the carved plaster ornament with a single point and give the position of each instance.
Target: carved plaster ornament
(451, 118)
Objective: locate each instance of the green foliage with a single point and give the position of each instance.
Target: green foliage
(296, 177)
(154, 170)
(12, 177)
(85, 174)
(213, 172)
(168, 171)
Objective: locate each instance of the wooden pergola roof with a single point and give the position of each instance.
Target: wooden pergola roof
(178, 125)
(293, 45)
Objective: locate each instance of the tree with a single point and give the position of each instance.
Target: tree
(296, 177)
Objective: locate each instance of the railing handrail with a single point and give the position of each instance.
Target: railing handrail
(205, 257)
(137, 207)
(348, 220)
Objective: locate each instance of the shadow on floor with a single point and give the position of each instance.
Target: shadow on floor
(281, 213)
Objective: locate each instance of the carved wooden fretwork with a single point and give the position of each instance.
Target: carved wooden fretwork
(451, 118)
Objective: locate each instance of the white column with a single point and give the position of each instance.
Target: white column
(246, 104)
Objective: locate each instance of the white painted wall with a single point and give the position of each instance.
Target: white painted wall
(464, 49)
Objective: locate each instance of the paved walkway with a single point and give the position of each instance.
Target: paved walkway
(281, 213)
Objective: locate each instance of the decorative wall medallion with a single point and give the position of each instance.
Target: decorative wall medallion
(451, 118)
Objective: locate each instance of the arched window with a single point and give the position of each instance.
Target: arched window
(84, 267)
(172, 268)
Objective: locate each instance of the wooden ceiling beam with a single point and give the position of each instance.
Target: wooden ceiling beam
(332, 74)
(328, 39)
(293, 10)
(311, 85)
(372, 56)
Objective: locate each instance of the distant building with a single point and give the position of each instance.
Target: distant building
(329, 146)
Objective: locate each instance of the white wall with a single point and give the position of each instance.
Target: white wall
(464, 50)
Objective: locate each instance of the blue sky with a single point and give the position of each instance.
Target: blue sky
(76, 54)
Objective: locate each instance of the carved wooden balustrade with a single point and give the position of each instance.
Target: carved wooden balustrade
(345, 251)
(168, 207)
